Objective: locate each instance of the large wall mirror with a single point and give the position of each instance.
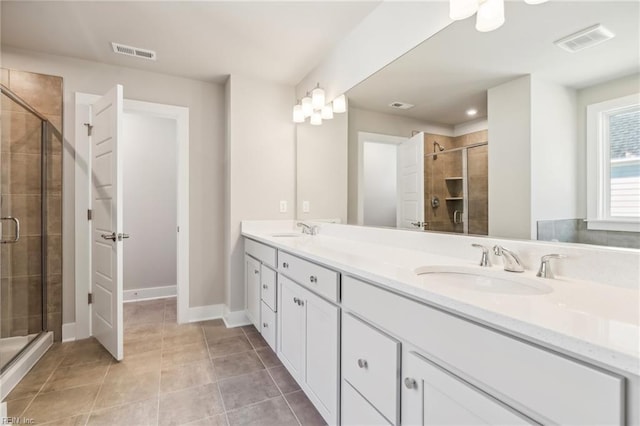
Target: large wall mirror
(493, 133)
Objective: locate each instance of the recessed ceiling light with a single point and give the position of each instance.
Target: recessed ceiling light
(471, 112)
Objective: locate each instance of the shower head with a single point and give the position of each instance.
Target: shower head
(440, 147)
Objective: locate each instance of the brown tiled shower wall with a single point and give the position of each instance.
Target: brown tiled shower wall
(448, 165)
(21, 163)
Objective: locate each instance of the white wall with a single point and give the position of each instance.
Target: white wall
(380, 184)
(321, 169)
(554, 153)
(599, 93)
(371, 45)
(509, 111)
(260, 155)
(361, 120)
(206, 129)
(149, 152)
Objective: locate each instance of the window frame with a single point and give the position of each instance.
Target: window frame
(599, 166)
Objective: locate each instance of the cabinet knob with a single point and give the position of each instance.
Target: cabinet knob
(285, 265)
(301, 302)
(265, 325)
(410, 383)
(255, 271)
(362, 363)
(313, 279)
(265, 286)
(296, 300)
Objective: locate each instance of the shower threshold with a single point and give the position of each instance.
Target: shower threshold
(20, 366)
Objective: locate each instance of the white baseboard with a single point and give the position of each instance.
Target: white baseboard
(204, 313)
(235, 318)
(150, 293)
(69, 332)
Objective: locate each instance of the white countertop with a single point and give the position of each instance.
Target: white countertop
(595, 322)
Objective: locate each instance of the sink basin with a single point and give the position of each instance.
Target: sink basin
(287, 235)
(489, 281)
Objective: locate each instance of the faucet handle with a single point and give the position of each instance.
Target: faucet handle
(545, 268)
(485, 254)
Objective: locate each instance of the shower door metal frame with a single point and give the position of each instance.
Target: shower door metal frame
(44, 134)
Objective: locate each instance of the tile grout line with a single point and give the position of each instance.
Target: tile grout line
(272, 379)
(224, 408)
(104, 377)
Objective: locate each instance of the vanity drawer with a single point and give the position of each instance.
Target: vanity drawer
(263, 253)
(315, 277)
(371, 362)
(268, 325)
(357, 411)
(268, 287)
(541, 384)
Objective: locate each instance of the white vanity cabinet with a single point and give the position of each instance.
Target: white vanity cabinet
(491, 370)
(308, 344)
(261, 288)
(433, 396)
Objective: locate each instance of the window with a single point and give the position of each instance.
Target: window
(613, 171)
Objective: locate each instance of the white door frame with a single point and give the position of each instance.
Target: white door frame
(375, 138)
(82, 197)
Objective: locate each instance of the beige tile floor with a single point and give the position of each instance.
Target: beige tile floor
(196, 374)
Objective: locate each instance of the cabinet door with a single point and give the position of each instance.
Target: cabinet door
(434, 396)
(291, 326)
(252, 289)
(321, 362)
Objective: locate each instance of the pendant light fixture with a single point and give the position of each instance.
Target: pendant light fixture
(327, 112)
(316, 118)
(298, 114)
(317, 97)
(490, 13)
(307, 106)
(314, 107)
(340, 104)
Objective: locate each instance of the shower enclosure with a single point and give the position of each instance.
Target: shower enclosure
(456, 189)
(25, 140)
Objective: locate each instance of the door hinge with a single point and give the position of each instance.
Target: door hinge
(89, 214)
(90, 298)
(89, 128)
(178, 229)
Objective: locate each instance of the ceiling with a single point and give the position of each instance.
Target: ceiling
(451, 72)
(275, 41)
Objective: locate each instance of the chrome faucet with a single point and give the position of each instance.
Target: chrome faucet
(485, 255)
(512, 262)
(308, 229)
(545, 268)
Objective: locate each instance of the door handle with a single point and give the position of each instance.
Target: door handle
(417, 224)
(122, 237)
(111, 236)
(17, 234)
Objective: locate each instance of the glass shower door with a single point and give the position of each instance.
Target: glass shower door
(22, 233)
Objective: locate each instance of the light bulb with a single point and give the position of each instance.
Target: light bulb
(317, 97)
(471, 112)
(462, 9)
(340, 104)
(327, 112)
(316, 118)
(298, 114)
(307, 106)
(535, 1)
(490, 15)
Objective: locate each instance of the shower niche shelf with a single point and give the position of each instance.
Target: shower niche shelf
(454, 178)
(454, 198)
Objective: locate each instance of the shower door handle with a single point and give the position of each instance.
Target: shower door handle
(17, 234)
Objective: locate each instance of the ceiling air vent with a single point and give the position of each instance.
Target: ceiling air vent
(123, 49)
(400, 105)
(583, 39)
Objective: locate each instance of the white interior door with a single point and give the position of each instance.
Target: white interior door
(106, 226)
(411, 183)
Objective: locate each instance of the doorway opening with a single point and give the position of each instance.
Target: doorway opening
(150, 237)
